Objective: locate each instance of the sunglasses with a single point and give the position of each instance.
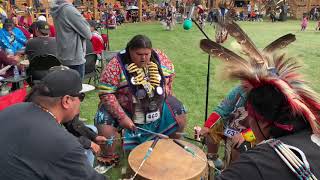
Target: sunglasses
(81, 96)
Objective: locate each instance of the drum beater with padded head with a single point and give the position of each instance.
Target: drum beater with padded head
(146, 156)
(188, 149)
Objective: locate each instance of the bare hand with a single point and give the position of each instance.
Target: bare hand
(100, 140)
(237, 140)
(128, 124)
(204, 131)
(14, 57)
(181, 120)
(95, 147)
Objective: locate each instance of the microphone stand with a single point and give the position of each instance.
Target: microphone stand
(208, 72)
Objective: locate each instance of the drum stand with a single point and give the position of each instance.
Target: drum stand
(208, 72)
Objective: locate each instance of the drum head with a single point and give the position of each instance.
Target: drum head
(168, 161)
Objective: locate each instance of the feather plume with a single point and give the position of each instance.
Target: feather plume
(280, 43)
(246, 43)
(235, 66)
(219, 51)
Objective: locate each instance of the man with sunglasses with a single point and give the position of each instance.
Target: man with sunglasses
(34, 143)
(86, 134)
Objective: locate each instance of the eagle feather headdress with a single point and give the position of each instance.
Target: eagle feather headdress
(266, 68)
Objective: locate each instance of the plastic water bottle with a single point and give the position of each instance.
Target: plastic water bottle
(23, 72)
(16, 74)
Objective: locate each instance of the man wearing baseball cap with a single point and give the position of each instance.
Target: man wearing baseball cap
(34, 144)
(12, 39)
(42, 44)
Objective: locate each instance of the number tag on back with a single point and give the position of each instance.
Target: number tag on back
(230, 132)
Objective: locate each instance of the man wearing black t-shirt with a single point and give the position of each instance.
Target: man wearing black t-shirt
(34, 144)
(42, 44)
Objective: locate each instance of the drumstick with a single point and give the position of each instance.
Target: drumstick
(157, 134)
(181, 133)
(146, 156)
(110, 140)
(188, 149)
(189, 138)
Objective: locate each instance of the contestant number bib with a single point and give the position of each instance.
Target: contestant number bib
(150, 117)
(230, 132)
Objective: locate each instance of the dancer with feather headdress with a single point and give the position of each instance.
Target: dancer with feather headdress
(231, 110)
(283, 111)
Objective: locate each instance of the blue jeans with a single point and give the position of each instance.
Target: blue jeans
(80, 68)
(88, 152)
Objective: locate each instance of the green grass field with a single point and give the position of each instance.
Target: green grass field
(182, 47)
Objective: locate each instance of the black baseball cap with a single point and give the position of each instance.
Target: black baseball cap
(43, 27)
(63, 82)
(8, 22)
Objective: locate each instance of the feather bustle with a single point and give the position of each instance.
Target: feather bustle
(300, 97)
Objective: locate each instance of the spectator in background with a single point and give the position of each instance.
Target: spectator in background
(87, 15)
(253, 16)
(20, 25)
(42, 43)
(249, 10)
(12, 39)
(101, 4)
(51, 26)
(273, 16)
(96, 40)
(50, 23)
(304, 22)
(3, 14)
(112, 20)
(72, 31)
(33, 27)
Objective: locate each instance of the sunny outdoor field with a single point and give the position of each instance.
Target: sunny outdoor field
(182, 47)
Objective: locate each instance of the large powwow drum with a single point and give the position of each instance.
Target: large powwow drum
(169, 161)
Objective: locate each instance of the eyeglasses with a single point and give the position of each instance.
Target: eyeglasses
(81, 96)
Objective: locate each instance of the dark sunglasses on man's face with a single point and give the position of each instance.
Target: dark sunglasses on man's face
(81, 96)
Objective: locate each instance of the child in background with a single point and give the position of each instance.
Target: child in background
(304, 22)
